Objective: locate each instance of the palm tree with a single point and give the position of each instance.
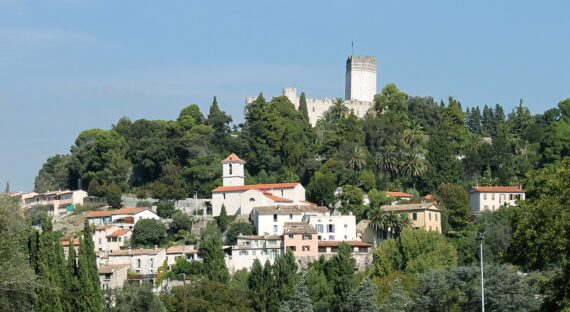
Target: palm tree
(378, 221)
(411, 133)
(356, 159)
(387, 160)
(397, 222)
(338, 109)
(414, 165)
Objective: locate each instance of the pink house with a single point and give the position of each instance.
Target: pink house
(301, 238)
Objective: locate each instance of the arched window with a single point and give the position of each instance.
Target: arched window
(230, 169)
(252, 199)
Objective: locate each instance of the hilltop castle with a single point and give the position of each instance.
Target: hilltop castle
(360, 88)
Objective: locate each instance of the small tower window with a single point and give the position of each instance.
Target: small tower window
(230, 169)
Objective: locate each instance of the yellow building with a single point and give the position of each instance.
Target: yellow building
(425, 216)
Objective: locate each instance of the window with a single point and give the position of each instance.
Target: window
(119, 239)
(230, 169)
(292, 248)
(100, 241)
(486, 207)
(493, 196)
(253, 252)
(224, 195)
(138, 263)
(290, 236)
(430, 216)
(281, 192)
(436, 217)
(345, 237)
(330, 228)
(271, 242)
(306, 248)
(274, 218)
(252, 199)
(107, 276)
(290, 217)
(346, 226)
(331, 237)
(151, 262)
(415, 216)
(264, 252)
(307, 236)
(275, 228)
(313, 109)
(243, 253)
(485, 196)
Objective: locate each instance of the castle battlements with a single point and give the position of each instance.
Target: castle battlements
(360, 88)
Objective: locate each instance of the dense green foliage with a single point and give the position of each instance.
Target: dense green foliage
(148, 232)
(213, 254)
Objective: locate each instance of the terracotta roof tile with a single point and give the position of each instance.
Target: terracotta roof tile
(497, 189)
(399, 194)
(119, 232)
(290, 209)
(410, 207)
(108, 213)
(233, 158)
(337, 243)
(65, 243)
(298, 228)
(187, 249)
(275, 198)
(107, 269)
(129, 252)
(255, 187)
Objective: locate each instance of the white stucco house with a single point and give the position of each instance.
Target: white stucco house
(270, 220)
(123, 218)
(491, 198)
(140, 261)
(240, 199)
(110, 237)
(334, 227)
(251, 247)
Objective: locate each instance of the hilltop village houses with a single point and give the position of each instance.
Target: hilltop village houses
(282, 219)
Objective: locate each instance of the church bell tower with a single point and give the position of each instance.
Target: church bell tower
(233, 171)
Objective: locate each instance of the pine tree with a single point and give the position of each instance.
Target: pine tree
(272, 290)
(223, 220)
(476, 119)
(220, 122)
(212, 251)
(362, 298)
(90, 298)
(71, 282)
(300, 300)
(7, 190)
(303, 106)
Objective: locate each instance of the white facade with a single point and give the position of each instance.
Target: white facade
(360, 78)
(492, 198)
(233, 171)
(270, 220)
(58, 202)
(335, 227)
(141, 261)
(128, 217)
(113, 276)
(240, 200)
(251, 247)
(188, 252)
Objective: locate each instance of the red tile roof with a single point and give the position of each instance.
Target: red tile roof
(255, 187)
(350, 243)
(428, 197)
(498, 189)
(104, 227)
(65, 243)
(399, 194)
(119, 232)
(108, 213)
(233, 158)
(275, 198)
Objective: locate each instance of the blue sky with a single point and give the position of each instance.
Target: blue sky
(70, 65)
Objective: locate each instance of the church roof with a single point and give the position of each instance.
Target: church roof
(255, 187)
(275, 198)
(233, 158)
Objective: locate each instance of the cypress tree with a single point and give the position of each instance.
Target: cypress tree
(341, 272)
(272, 288)
(72, 284)
(223, 219)
(303, 106)
(476, 119)
(257, 286)
(286, 275)
(90, 298)
(49, 291)
(212, 251)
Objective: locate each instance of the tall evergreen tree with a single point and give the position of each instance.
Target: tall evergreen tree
(341, 271)
(299, 301)
(212, 251)
(50, 289)
(71, 282)
(303, 106)
(220, 122)
(362, 298)
(286, 275)
(257, 286)
(90, 298)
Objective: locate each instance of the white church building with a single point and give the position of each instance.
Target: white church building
(360, 89)
(240, 199)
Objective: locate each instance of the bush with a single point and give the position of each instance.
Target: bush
(236, 229)
(148, 232)
(37, 214)
(165, 209)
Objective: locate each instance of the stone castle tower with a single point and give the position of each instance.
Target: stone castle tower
(360, 88)
(360, 83)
